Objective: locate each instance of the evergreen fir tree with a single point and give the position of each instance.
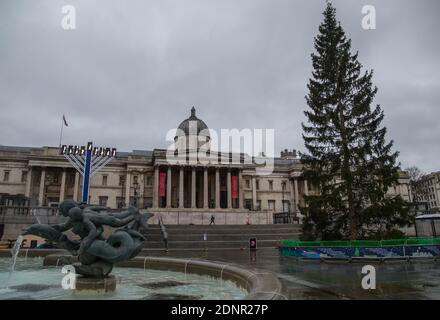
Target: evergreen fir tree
(349, 160)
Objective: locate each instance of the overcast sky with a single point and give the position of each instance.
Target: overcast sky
(133, 69)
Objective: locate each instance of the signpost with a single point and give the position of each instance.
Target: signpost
(88, 161)
(253, 244)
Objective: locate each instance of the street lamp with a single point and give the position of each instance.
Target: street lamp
(135, 186)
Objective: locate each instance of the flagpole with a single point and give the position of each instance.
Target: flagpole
(61, 133)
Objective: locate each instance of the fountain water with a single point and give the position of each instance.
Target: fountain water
(15, 250)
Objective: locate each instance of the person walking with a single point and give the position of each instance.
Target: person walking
(212, 220)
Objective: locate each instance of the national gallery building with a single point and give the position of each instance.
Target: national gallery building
(180, 192)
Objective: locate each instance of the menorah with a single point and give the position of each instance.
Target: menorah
(88, 161)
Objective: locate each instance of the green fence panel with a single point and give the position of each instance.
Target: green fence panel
(392, 242)
(364, 243)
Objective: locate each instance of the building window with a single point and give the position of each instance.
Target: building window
(270, 185)
(103, 201)
(135, 180)
(271, 205)
(6, 176)
(257, 184)
(286, 206)
(120, 202)
(24, 176)
(148, 181)
(104, 180)
(248, 184)
(121, 180)
(248, 204)
(258, 208)
(148, 202)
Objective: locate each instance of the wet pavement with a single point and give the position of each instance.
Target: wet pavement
(329, 280)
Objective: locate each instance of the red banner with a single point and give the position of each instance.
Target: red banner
(234, 187)
(162, 182)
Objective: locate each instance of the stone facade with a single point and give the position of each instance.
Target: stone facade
(427, 191)
(191, 192)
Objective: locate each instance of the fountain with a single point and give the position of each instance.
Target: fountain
(94, 256)
(14, 251)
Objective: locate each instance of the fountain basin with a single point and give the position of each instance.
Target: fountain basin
(231, 281)
(95, 286)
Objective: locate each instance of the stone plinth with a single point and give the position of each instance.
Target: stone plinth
(95, 286)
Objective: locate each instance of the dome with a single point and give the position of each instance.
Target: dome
(197, 126)
(192, 134)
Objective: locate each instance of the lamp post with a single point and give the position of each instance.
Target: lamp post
(135, 198)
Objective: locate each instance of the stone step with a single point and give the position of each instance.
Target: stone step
(220, 232)
(187, 237)
(209, 244)
(223, 230)
(222, 237)
(229, 226)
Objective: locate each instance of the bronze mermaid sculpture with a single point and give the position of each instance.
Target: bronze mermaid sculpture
(96, 254)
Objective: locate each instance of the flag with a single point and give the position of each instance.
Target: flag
(65, 122)
(234, 187)
(162, 182)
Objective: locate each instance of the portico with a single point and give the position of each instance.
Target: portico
(197, 187)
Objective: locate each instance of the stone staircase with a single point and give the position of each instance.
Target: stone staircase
(190, 237)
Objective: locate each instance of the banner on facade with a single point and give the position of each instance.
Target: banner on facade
(162, 182)
(234, 187)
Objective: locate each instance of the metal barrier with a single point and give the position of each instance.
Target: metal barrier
(164, 232)
(285, 218)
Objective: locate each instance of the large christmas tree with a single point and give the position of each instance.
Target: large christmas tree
(349, 159)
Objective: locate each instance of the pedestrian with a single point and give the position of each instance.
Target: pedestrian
(212, 220)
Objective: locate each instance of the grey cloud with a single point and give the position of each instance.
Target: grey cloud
(132, 70)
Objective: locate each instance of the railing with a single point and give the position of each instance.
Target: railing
(284, 218)
(26, 210)
(164, 232)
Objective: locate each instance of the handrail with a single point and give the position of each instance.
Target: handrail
(164, 232)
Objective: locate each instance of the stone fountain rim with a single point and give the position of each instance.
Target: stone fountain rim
(261, 285)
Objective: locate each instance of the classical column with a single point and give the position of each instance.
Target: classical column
(254, 193)
(193, 188)
(240, 190)
(156, 187)
(63, 186)
(169, 180)
(205, 188)
(217, 188)
(28, 183)
(181, 192)
(41, 192)
(228, 185)
(127, 189)
(295, 184)
(142, 191)
(76, 186)
(306, 188)
(292, 197)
